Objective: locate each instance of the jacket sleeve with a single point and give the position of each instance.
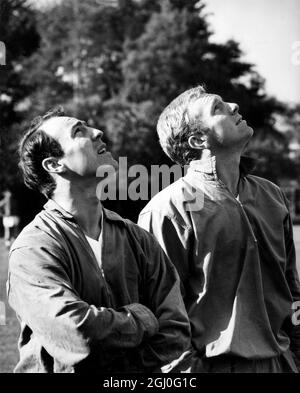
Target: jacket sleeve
(173, 341)
(174, 239)
(292, 278)
(40, 292)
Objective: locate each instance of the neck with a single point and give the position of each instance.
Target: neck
(228, 168)
(81, 201)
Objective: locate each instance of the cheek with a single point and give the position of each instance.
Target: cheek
(228, 127)
(224, 130)
(77, 159)
(220, 128)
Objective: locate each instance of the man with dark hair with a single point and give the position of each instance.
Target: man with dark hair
(35, 146)
(229, 234)
(93, 292)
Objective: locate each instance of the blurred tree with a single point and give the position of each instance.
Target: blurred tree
(79, 60)
(118, 63)
(174, 53)
(290, 123)
(19, 34)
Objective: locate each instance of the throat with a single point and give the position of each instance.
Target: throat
(233, 187)
(229, 174)
(90, 221)
(93, 233)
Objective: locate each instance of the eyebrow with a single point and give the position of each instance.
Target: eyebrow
(78, 123)
(216, 100)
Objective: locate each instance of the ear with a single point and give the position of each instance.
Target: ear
(197, 141)
(53, 165)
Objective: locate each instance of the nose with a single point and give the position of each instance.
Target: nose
(97, 134)
(234, 108)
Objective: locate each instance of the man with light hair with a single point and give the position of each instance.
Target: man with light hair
(93, 292)
(229, 234)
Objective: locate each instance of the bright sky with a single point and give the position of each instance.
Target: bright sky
(266, 30)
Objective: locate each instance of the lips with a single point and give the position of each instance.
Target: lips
(239, 121)
(102, 149)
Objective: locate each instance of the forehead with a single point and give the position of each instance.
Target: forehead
(199, 105)
(58, 126)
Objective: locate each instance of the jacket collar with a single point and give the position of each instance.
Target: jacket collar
(53, 206)
(209, 168)
(107, 214)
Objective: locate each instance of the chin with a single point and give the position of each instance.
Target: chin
(250, 131)
(248, 127)
(247, 130)
(107, 166)
(113, 163)
(107, 160)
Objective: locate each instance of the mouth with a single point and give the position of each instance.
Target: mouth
(101, 150)
(239, 121)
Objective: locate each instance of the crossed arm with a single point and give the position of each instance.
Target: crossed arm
(40, 291)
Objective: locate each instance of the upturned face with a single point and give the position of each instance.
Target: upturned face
(84, 150)
(226, 127)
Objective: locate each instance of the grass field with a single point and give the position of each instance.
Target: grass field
(9, 332)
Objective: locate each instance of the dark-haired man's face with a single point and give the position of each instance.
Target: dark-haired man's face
(227, 129)
(84, 150)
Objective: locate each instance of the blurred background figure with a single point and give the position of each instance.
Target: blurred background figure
(10, 222)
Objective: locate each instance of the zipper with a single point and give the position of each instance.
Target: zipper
(244, 214)
(247, 220)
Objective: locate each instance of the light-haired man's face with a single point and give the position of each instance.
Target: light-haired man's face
(226, 127)
(84, 150)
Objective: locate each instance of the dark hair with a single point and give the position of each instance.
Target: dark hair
(34, 147)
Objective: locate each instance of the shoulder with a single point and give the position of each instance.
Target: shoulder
(262, 181)
(36, 244)
(36, 233)
(264, 185)
(135, 232)
(169, 202)
(171, 205)
(267, 193)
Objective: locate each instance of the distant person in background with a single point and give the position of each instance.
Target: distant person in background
(10, 222)
(93, 291)
(230, 236)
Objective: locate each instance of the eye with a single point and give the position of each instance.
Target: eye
(217, 107)
(79, 130)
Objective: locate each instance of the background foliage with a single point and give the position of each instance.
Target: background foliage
(117, 64)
